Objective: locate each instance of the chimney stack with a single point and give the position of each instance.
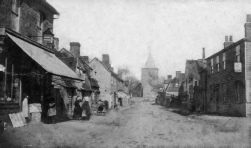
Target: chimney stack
(75, 48)
(56, 44)
(230, 38)
(228, 42)
(203, 53)
(85, 59)
(106, 60)
(248, 26)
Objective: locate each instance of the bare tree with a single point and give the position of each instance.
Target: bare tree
(125, 73)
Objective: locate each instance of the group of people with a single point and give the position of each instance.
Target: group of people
(82, 109)
(81, 106)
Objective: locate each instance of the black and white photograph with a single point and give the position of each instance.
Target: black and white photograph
(125, 74)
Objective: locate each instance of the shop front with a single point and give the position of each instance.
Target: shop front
(26, 69)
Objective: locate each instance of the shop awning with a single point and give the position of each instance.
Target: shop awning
(44, 58)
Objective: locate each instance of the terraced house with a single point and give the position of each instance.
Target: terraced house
(227, 78)
(108, 80)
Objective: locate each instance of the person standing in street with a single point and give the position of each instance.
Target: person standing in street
(77, 114)
(25, 107)
(86, 107)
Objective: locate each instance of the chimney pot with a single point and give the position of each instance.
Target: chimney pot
(230, 38)
(106, 60)
(203, 53)
(248, 17)
(228, 42)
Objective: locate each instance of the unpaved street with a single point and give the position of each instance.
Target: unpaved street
(140, 125)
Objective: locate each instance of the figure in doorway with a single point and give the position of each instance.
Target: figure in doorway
(77, 114)
(86, 107)
(52, 111)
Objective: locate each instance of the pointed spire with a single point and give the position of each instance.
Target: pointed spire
(150, 62)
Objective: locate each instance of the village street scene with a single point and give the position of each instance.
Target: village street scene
(125, 74)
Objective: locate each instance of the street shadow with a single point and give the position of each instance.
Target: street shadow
(7, 142)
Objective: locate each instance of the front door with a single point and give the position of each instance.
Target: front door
(217, 97)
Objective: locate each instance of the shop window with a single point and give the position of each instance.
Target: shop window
(224, 61)
(217, 64)
(212, 65)
(224, 92)
(237, 56)
(11, 92)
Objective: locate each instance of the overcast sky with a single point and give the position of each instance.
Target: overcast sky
(176, 30)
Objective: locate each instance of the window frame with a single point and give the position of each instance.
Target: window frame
(15, 15)
(40, 22)
(217, 63)
(212, 65)
(224, 61)
(238, 54)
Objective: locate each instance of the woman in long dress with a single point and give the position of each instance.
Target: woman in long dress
(77, 114)
(52, 111)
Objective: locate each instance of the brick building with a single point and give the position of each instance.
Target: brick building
(227, 79)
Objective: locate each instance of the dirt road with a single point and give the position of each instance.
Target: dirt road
(143, 124)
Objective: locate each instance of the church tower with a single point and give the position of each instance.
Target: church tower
(149, 77)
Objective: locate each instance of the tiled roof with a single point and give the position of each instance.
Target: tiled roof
(193, 67)
(114, 74)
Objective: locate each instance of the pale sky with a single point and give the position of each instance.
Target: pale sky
(176, 30)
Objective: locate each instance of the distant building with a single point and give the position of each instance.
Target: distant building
(149, 78)
(173, 85)
(192, 78)
(79, 64)
(108, 81)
